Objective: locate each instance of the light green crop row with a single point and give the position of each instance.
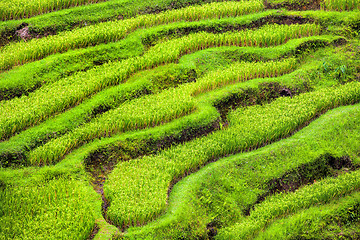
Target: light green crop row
(341, 5)
(137, 189)
(15, 9)
(240, 72)
(19, 53)
(269, 35)
(67, 19)
(27, 78)
(155, 109)
(20, 113)
(220, 193)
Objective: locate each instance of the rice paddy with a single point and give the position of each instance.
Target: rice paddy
(179, 119)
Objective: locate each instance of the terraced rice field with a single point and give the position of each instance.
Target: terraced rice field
(180, 119)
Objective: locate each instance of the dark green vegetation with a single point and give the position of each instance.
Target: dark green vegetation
(180, 120)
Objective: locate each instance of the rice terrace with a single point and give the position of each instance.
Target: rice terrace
(179, 119)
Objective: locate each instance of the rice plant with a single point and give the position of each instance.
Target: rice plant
(341, 5)
(16, 9)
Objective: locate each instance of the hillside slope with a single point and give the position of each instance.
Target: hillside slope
(180, 119)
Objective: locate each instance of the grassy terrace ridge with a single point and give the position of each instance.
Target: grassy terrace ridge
(187, 119)
(150, 111)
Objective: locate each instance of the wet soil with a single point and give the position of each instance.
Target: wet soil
(17, 158)
(10, 159)
(23, 32)
(7, 94)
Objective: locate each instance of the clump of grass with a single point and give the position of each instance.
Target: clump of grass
(341, 5)
(16, 9)
(58, 207)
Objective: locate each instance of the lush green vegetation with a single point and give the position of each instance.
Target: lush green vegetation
(20, 113)
(15, 9)
(179, 119)
(222, 192)
(111, 10)
(18, 53)
(341, 5)
(44, 206)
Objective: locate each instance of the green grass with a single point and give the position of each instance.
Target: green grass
(341, 5)
(29, 77)
(112, 122)
(140, 113)
(72, 18)
(321, 192)
(13, 151)
(328, 5)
